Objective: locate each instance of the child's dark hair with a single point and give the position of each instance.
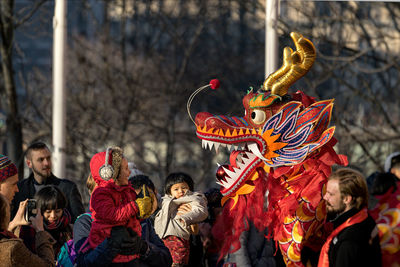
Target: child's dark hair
(50, 198)
(176, 178)
(214, 198)
(383, 182)
(139, 180)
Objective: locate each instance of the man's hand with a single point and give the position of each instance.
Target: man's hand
(19, 218)
(121, 241)
(125, 241)
(184, 208)
(37, 222)
(141, 245)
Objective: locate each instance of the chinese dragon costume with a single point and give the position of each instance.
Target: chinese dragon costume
(281, 156)
(387, 216)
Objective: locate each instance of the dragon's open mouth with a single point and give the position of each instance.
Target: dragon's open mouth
(245, 156)
(285, 139)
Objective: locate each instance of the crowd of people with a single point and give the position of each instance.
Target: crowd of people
(43, 221)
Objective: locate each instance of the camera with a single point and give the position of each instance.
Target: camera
(31, 209)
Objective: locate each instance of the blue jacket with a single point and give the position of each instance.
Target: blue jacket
(156, 255)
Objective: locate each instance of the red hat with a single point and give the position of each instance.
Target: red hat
(7, 168)
(98, 165)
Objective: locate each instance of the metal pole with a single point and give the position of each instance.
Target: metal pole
(59, 110)
(271, 36)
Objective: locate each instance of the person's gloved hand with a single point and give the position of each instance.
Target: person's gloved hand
(121, 241)
(140, 245)
(144, 203)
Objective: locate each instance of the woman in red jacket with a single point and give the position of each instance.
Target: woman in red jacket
(113, 200)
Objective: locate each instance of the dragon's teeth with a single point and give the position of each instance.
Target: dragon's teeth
(210, 144)
(254, 149)
(236, 170)
(240, 165)
(229, 147)
(230, 178)
(203, 143)
(229, 182)
(250, 157)
(239, 147)
(227, 171)
(216, 146)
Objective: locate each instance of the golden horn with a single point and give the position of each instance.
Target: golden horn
(295, 65)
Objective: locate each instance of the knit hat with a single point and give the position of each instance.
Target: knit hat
(134, 170)
(388, 161)
(7, 168)
(99, 160)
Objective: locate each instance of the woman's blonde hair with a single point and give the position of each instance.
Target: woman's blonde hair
(90, 183)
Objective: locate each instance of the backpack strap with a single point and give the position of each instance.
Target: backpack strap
(85, 246)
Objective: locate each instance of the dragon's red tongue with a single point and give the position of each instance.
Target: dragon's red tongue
(233, 157)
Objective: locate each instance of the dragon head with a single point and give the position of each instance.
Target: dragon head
(277, 129)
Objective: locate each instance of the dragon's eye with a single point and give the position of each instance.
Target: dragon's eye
(258, 116)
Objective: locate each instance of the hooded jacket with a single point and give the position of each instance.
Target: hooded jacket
(167, 222)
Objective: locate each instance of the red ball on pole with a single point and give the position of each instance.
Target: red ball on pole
(214, 84)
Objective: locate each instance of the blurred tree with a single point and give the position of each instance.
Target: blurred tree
(131, 87)
(357, 63)
(9, 22)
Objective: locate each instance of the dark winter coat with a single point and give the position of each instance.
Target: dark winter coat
(356, 245)
(27, 191)
(102, 255)
(255, 250)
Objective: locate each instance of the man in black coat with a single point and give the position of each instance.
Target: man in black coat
(38, 159)
(354, 240)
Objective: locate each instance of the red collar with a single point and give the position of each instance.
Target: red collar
(357, 218)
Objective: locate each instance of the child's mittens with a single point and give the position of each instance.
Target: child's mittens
(144, 203)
